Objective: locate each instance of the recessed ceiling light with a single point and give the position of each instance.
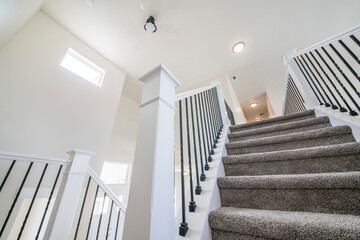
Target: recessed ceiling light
(253, 104)
(238, 47)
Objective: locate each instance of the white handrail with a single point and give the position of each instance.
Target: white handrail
(32, 158)
(186, 94)
(106, 189)
(329, 40)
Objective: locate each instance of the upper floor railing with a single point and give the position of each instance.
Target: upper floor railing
(328, 72)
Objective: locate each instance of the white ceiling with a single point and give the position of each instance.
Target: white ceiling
(194, 38)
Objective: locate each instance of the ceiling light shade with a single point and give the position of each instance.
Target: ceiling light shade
(238, 47)
(150, 25)
(253, 104)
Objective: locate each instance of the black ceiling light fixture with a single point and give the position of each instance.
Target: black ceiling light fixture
(150, 25)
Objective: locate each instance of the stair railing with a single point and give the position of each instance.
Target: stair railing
(68, 212)
(327, 73)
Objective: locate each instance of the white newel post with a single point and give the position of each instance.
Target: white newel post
(62, 216)
(150, 213)
(225, 118)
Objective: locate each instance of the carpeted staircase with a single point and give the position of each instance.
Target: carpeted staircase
(289, 177)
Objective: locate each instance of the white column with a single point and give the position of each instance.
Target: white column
(63, 213)
(225, 118)
(150, 213)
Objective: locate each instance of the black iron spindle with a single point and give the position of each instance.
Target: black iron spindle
(291, 98)
(333, 106)
(82, 207)
(355, 40)
(92, 212)
(352, 54)
(15, 199)
(209, 159)
(108, 226)
(7, 174)
(317, 97)
(341, 108)
(198, 187)
(202, 175)
(101, 213)
(205, 143)
(297, 93)
(219, 111)
(211, 109)
(48, 202)
(215, 116)
(183, 225)
(352, 113)
(212, 143)
(192, 203)
(32, 201)
(117, 224)
(345, 62)
(312, 73)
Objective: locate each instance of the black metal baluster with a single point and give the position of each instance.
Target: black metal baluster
(318, 82)
(333, 106)
(209, 159)
(15, 200)
(32, 201)
(211, 134)
(355, 40)
(108, 226)
(352, 113)
(205, 143)
(82, 207)
(92, 212)
(292, 97)
(183, 225)
(216, 120)
(297, 93)
(198, 187)
(101, 213)
(117, 224)
(7, 174)
(332, 83)
(202, 175)
(219, 111)
(212, 119)
(48, 202)
(345, 62)
(349, 51)
(192, 203)
(317, 97)
(342, 109)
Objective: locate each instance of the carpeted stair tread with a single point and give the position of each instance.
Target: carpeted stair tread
(281, 129)
(276, 120)
(271, 224)
(313, 180)
(321, 192)
(318, 137)
(332, 158)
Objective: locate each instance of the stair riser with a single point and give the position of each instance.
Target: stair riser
(281, 132)
(224, 235)
(300, 143)
(273, 123)
(311, 165)
(340, 201)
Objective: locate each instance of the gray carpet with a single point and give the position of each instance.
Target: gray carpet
(289, 177)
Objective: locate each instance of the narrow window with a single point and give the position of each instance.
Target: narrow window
(83, 67)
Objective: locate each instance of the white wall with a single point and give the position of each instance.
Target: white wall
(47, 110)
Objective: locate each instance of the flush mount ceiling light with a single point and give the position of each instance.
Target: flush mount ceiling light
(253, 104)
(150, 25)
(238, 47)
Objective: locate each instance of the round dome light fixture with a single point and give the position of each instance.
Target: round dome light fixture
(150, 25)
(253, 104)
(238, 47)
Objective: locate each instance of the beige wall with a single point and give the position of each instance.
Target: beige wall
(47, 110)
